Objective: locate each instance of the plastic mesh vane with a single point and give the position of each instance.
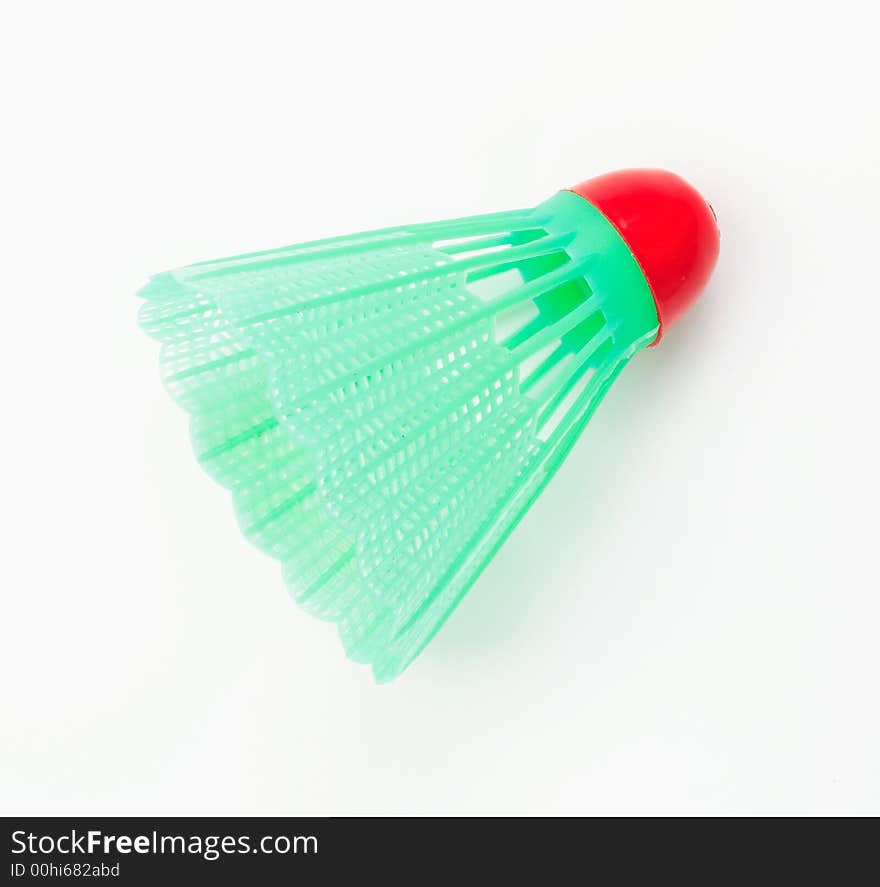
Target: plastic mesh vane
(385, 407)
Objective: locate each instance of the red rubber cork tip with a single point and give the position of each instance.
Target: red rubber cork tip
(670, 230)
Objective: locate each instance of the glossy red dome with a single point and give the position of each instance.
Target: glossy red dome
(670, 229)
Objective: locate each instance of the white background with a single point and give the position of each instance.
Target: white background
(686, 622)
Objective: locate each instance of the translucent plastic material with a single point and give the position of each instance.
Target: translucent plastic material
(385, 407)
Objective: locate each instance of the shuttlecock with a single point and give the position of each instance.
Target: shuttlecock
(385, 407)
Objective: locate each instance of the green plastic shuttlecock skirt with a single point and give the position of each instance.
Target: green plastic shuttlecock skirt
(385, 407)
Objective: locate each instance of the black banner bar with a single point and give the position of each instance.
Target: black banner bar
(269, 850)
